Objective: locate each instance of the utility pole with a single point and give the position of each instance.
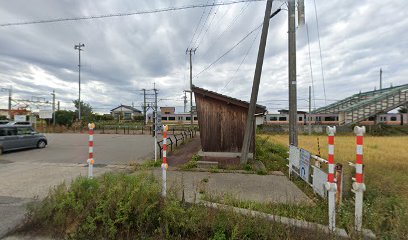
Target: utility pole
(79, 48)
(144, 106)
(53, 107)
(58, 106)
(309, 119)
(191, 50)
(185, 102)
(9, 101)
(293, 131)
(155, 122)
(380, 78)
(255, 86)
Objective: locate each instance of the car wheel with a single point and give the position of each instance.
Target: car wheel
(41, 144)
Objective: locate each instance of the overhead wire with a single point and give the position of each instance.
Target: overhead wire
(54, 20)
(208, 27)
(320, 48)
(239, 66)
(311, 68)
(203, 26)
(233, 47)
(195, 31)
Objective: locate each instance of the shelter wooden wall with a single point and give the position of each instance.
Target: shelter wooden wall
(222, 125)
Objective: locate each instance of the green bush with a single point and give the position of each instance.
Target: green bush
(272, 155)
(119, 206)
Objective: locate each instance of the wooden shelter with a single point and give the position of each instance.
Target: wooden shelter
(222, 121)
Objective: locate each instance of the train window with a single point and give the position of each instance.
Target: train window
(180, 118)
(273, 119)
(318, 118)
(195, 118)
(300, 118)
(164, 118)
(172, 118)
(282, 118)
(331, 118)
(188, 118)
(393, 118)
(371, 118)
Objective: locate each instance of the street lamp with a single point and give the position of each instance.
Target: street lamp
(9, 99)
(79, 48)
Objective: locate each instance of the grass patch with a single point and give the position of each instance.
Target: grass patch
(272, 155)
(192, 163)
(386, 198)
(119, 206)
(149, 164)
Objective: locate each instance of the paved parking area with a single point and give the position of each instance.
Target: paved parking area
(73, 148)
(27, 174)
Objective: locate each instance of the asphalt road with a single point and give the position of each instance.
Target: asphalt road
(73, 148)
(29, 174)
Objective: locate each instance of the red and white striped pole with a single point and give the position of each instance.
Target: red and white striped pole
(91, 161)
(359, 186)
(164, 165)
(331, 185)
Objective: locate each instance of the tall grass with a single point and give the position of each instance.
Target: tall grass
(385, 175)
(119, 206)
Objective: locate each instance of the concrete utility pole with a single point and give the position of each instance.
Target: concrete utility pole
(155, 123)
(53, 107)
(191, 50)
(255, 86)
(79, 48)
(293, 131)
(309, 119)
(185, 101)
(58, 106)
(380, 78)
(144, 106)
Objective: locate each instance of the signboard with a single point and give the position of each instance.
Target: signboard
(159, 124)
(294, 156)
(20, 118)
(304, 169)
(45, 114)
(319, 179)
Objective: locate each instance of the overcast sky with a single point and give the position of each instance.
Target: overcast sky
(122, 55)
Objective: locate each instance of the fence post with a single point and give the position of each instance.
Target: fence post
(331, 185)
(164, 165)
(90, 160)
(359, 186)
(171, 144)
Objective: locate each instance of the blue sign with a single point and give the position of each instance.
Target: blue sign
(304, 166)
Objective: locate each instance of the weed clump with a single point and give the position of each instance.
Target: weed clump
(119, 206)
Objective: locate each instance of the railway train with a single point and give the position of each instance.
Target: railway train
(333, 119)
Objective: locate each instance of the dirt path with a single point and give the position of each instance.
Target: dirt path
(184, 153)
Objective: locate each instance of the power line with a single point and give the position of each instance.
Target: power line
(223, 55)
(239, 42)
(246, 54)
(203, 26)
(310, 63)
(320, 49)
(209, 25)
(195, 31)
(54, 20)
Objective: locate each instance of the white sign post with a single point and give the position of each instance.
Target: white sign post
(20, 118)
(45, 114)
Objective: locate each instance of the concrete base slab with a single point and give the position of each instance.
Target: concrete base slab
(223, 154)
(207, 164)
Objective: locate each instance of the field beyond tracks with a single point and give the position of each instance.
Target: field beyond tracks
(385, 175)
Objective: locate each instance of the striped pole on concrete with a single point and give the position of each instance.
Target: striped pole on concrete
(331, 184)
(164, 165)
(359, 186)
(91, 161)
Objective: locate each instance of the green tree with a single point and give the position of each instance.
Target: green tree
(86, 111)
(64, 117)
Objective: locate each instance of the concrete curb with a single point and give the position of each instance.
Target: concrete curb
(284, 220)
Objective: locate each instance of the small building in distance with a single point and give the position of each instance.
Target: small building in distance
(222, 122)
(124, 112)
(167, 110)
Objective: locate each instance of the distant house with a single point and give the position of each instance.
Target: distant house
(167, 110)
(124, 112)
